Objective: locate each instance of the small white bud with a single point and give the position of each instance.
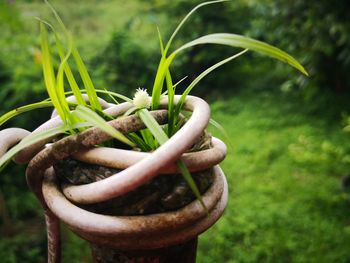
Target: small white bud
(141, 99)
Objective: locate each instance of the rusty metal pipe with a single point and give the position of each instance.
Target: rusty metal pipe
(136, 232)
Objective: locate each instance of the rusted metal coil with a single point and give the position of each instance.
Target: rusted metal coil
(123, 232)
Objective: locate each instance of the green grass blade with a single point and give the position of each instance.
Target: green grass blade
(191, 183)
(152, 125)
(93, 118)
(222, 131)
(58, 18)
(36, 137)
(54, 86)
(59, 88)
(70, 77)
(200, 77)
(171, 106)
(175, 85)
(81, 66)
(49, 76)
(110, 96)
(185, 19)
(149, 139)
(63, 67)
(139, 142)
(61, 93)
(179, 82)
(234, 40)
(111, 93)
(158, 83)
(159, 79)
(161, 137)
(89, 86)
(13, 113)
(164, 64)
(162, 72)
(30, 140)
(130, 111)
(171, 93)
(160, 42)
(114, 94)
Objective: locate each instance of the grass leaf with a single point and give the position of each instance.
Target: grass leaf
(110, 96)
(94, 119)
(110, 93)
(185, 19)
(159, 80)
(70, 77)
(222, 131)
(161, 137)
(61, 93)
(171, 106)
(152, 125)
(130, 111)
(171, 92)
(38, 105)
(139, 142)
(49, 76)
(30, 140)
(200, 77)
(89, 86)
(234, 40)
(36, 137)
(90, 89)
(149, 139)
(163, 64)
(191, 183)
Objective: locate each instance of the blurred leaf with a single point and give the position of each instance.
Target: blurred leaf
(94, 119)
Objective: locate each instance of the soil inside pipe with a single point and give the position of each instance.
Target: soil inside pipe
(163, 193)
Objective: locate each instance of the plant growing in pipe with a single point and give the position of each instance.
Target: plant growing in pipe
(160, 184)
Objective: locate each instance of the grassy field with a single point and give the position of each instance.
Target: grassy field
(286, 202)
(93, 23)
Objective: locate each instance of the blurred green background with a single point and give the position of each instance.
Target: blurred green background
(290, 150)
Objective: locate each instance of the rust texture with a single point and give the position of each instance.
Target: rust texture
(164, 233)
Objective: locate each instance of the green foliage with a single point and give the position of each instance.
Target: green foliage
(21, 220)
(226, 39)
(20, 76)
(95, 120)
(120, 73)
(286, 203)
(225, 17)
(283, 207)
(54, 87)
(55, 84)
(9, 16)
(22, 249)
(318, 32)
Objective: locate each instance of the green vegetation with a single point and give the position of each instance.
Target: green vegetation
(288, 156)
(323, 42)
(286, 201)
(77, 117)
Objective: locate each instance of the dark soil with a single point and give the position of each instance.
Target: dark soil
(163, 193)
